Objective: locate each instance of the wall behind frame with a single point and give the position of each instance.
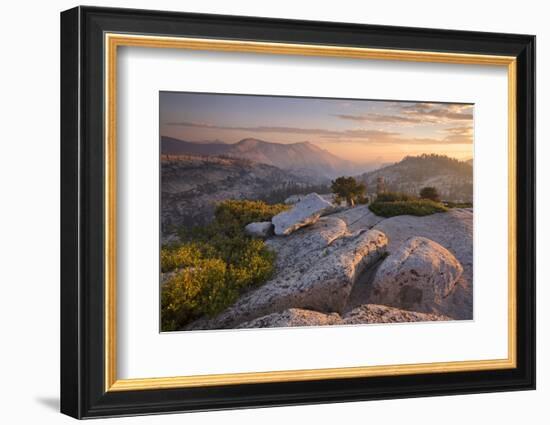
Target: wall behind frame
(29, 217)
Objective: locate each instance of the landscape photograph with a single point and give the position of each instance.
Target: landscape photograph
(281, 211)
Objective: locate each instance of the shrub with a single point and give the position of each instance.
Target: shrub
(215, 263)
(429, 193)
(240, 213)
(393, 196)
(192, 292)
(415, 207)
(179, 256)
(450, 204)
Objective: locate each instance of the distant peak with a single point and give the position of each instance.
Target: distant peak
(250, 141)
(309, 145)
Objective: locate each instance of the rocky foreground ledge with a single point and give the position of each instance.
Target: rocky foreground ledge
(368, 313)
(348, 266)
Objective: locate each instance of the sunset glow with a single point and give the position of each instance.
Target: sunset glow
(363, 131)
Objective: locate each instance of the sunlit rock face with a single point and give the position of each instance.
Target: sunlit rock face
(418, 276)
(305, 212)
(454, 231)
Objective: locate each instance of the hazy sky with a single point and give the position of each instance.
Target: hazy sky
(363, 131)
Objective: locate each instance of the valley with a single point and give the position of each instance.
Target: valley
(196, 176)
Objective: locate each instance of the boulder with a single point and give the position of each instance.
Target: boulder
(365, 314)
(262, 229)
(303, 248)
(454, 231)
(293, 317)
(327, 285)
(305, 212)
(321, 279)
(373, 313)
(418, 276)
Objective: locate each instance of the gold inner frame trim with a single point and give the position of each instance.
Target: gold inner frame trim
(113, 41)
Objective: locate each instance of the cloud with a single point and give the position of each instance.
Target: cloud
(438, 112)
(452, 135)
(462, 134)
(380, 118)
(258, 129)
(416, 114)
(319, 132)
(365, 135)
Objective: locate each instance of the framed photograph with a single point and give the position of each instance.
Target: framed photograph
(261, 212)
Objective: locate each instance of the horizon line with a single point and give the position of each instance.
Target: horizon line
(217, 141)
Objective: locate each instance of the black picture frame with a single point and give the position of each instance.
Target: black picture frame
(83, 392)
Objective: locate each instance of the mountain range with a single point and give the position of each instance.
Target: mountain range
(452, 178)
(195, 176)
(303, 159)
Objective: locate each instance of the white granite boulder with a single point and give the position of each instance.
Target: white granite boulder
(303, 248)
(305, 212)
(262, 229)
(452, 230)
(418, 276)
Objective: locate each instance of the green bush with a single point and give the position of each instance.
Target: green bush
(393, 197)
(191, 293)
(215, 263)
(429, 193)
(179, 256)
(230, 218)
(450, 204)
(415, 207)
(240, 213)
